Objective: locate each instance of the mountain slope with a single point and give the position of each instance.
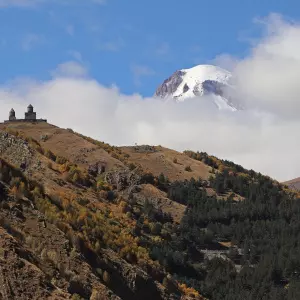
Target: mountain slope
(293, 184)
(199, 81)
(71, 195)
(172, 164)
(94, 221)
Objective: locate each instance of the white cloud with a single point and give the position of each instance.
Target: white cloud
(225, 61)
(266, 141)
(254, 140)
(70, 69)
(268, 78)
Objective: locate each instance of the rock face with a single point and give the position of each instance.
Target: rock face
(97, 168)
(15, 148)
(145, 149)
(212, 86)
(18, 275)
(170, 85)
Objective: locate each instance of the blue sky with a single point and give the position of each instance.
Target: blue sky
(134, 44)
(49, 45)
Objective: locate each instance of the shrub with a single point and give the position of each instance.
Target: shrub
(60, 160)
(76, 297)
(155, 228)
(102, 186)
(44, 137)
(131, 166)
(115, 155)
(191, 292)
(110, 196)
(124, 206)
(49, 154)
(188, 169)
(53, 256)
(147, 178)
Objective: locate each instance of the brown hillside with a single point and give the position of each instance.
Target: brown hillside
(64, 142)
(61, 231)
(161, 201)
(80, 219)
(28, 269)
(171, 163)
(293, 184)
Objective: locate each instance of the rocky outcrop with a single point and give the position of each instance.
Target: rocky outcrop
(145, 149)
(20, 278)
(212, 87)
(170, 85)
(217, 88)
(16, 149)
(97, 168)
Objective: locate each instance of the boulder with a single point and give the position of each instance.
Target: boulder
(97, 168)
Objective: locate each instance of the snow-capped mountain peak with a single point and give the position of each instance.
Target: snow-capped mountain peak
(198, 81)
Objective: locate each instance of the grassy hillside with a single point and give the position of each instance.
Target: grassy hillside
(85, 220)
(293, 184)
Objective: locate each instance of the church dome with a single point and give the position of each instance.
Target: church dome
(30, 108)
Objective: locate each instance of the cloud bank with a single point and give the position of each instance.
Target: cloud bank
(264, 137)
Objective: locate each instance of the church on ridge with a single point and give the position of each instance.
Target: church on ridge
(30, 116)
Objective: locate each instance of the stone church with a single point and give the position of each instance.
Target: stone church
(30, 116)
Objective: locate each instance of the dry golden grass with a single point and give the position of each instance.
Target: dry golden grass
(78, 150)
(165, 204)
(169, 162)
(63, 142)
(293, 184)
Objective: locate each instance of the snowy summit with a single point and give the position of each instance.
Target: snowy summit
(196, 82)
